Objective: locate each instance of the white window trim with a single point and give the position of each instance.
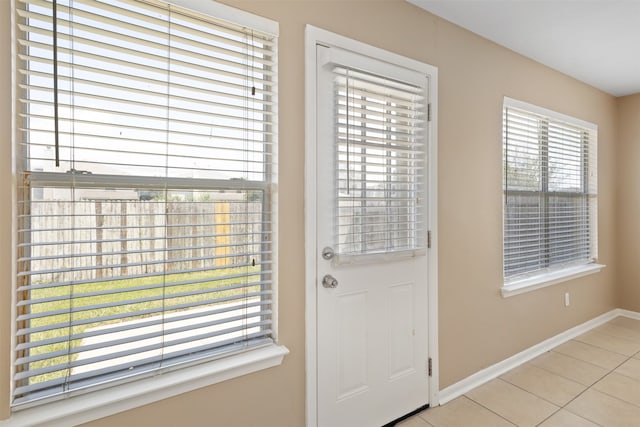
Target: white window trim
(539, 281)
(543, 279)
(83, 407)
(514, 103)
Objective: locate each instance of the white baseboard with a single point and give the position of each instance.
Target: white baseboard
(628, 313)
(461, 387)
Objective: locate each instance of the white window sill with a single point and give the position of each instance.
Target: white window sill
(90, 406)
(532, 283)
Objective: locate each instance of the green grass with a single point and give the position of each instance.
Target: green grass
(212, 286)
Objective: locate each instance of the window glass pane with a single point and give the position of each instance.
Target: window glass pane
(566, 159)
(380, 157)
(523, 155)
(568, 228)
(523, 234)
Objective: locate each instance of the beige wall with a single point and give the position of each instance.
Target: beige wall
(628, 206)
(477, 326)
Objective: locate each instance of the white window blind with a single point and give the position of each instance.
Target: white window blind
(550, 190)
(380, 164)
(151, 244)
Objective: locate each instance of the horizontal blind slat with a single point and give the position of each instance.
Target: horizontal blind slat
(148, 321)
(120, 315)
(162, 326)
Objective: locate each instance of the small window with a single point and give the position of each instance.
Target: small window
(550, 192)
(145, 232)
(380, 156)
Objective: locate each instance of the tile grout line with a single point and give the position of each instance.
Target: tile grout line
(588, 387)
(616, 397)
(603, 348)
(590, 345)
(560, 408)
(543, 421)
(565, 377)
(489, 409)
(633, 340)
(532, 393)
(591, 387)
(600, 332)
(421, 419)
(578, 395)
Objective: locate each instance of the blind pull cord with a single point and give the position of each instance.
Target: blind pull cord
(253, 81)
(348, 136)
(56, 131)
(506, 158)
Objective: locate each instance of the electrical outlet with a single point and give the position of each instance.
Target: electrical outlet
(567, 301)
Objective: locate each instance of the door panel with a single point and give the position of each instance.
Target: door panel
(401, 330)
(351, 353)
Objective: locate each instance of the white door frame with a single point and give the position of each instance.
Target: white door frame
(314, 36)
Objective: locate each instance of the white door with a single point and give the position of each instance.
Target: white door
(372, 240)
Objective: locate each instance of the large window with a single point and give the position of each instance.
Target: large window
(550, 179)
(146, 162)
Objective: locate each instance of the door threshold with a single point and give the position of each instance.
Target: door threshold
(409, 415)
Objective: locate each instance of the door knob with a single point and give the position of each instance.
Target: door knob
(328, 281)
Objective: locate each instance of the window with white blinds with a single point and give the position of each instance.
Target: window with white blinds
(550, 191)
(380, 164)
(146, 154)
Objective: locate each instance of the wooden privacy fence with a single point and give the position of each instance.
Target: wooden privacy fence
(111, 238)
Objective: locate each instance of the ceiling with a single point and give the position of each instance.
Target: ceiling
(595, 41)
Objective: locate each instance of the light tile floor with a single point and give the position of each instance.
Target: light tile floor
(592, 380)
